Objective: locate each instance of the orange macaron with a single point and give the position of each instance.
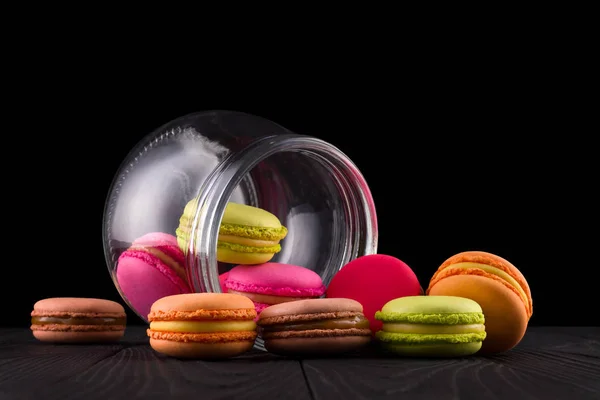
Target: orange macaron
(77, 320)
(202, 325)
(497, 285)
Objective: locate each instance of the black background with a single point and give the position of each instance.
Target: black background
(463, 150)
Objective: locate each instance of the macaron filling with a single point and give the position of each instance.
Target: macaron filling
(202, 326)
(326, 324)
(427, 329)
(356, 322)
(275, 292)
(470, 267)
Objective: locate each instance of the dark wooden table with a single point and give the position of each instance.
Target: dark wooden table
(550, 363)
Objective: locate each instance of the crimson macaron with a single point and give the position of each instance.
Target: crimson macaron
(373, 280)
(77, 320)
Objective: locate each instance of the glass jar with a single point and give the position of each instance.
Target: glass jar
(219, 156)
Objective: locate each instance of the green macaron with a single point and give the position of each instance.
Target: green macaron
(431, 326)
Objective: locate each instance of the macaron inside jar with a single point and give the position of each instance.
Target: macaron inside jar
(151, 268)
(247, 235)
(274, 283)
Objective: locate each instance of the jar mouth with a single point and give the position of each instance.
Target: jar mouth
(353, 231)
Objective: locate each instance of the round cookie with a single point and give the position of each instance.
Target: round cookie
(151, 268)
(202, 325)
(314, 326)
(373, 280)
(431, 326)
(497, 286)
(77, 320)
(274, 283)
(247, 235)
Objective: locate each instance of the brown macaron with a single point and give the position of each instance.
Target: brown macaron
(314, 326)
(77, 320)
(202, 325)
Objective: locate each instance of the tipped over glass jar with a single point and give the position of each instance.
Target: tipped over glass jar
(314, 189)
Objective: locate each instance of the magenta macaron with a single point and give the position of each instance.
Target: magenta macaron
(274, 283)
(153, 267)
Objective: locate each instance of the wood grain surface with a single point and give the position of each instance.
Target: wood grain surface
(550, 363)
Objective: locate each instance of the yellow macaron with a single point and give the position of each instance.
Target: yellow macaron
(247, 235)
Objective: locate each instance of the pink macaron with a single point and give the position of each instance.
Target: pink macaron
(222, 279)
(153, 267)
(274, 283)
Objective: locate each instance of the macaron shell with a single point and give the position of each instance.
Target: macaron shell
(78, 337)
(242, 214)
(222, 279)
(312, 306)
(315, 345)
(433, 350)
(143, 280)
(505, 317)
(156, 239)
(492, 260)
(198, 350)
(78, 305)
(164, 247)
(275, 279)
(193, 302)
(260, 307)
(431, 305)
